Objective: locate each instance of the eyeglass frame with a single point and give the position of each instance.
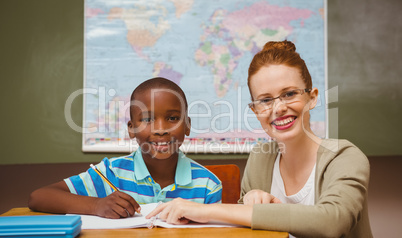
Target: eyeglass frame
(306, 90)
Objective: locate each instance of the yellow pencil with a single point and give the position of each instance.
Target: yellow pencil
(104, 177)
(110, 184)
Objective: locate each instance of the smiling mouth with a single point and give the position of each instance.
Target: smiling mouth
(162, 147)
(283, 122)
(161, 143)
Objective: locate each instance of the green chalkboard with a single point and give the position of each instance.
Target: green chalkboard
(364, 49)
(41, 47)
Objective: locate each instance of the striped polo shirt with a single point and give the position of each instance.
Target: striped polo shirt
(129, 173)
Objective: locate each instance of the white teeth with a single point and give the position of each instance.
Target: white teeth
(284, 122)
(161, 143)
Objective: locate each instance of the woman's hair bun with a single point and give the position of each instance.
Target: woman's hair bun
(280, 45)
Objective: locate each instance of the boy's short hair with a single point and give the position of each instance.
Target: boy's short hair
(157, 83)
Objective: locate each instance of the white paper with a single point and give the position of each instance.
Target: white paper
(95, 222)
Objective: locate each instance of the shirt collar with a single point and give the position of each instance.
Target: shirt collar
(183, 169)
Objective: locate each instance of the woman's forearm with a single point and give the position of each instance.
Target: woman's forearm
(231, 213)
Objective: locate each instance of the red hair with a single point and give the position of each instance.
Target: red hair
(279, 53)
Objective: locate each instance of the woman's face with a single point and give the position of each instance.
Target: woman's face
(285, 120)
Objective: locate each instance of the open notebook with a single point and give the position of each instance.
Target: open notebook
(95, 222)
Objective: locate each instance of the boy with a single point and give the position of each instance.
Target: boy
(157, 171)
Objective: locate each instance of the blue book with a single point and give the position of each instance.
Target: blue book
(40, 226)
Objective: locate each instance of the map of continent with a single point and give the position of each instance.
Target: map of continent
(245, 30)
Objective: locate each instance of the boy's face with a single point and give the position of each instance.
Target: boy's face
(159, 122)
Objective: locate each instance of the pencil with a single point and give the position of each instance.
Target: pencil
(110, 184)
(104, 177)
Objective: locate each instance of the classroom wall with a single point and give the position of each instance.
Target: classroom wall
(42, 64)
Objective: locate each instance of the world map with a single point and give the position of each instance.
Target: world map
(203, 46)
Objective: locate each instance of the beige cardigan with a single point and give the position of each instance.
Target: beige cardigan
(341, 183)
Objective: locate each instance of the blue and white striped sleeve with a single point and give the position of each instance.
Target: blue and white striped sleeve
(214, 194)
(89, 183)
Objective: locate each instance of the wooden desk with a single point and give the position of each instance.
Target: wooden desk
(163, 232)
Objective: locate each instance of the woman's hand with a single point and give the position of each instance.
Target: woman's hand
(180, 211)
(257, 196)
(116, 205)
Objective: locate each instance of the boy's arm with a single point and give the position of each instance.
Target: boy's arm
(56, 198)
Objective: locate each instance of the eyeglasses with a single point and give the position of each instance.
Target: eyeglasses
(287, 97)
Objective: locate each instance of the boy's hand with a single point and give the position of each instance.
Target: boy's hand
(257, 196)
(116, 205)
